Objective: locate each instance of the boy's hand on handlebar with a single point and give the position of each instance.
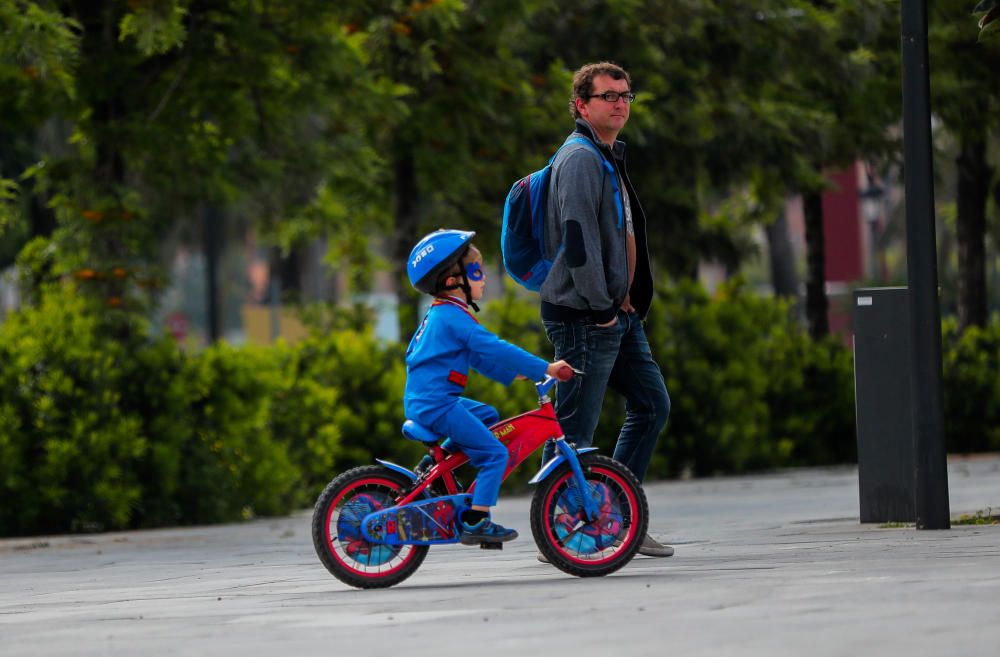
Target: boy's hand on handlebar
(560, 370)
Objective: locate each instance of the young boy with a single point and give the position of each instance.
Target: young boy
(448, 342)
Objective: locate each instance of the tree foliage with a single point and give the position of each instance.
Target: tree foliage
(476, 117)
(170, 106)
(963, 71)
(398, 117)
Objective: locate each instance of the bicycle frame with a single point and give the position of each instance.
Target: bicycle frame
(522, 435)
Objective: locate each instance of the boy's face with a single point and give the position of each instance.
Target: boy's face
(474, 273)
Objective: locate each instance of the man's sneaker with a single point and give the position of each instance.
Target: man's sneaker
(484, 531)
(653, 548)
(650, 547)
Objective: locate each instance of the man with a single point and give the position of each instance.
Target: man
(600, 286)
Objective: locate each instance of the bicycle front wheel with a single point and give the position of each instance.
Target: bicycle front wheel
(600, 546)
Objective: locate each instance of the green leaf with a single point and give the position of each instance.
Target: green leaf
(156, 27)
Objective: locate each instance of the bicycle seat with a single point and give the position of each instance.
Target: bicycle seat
(419, 432)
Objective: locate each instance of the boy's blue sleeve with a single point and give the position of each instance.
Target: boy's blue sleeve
(492, 369)
(501, 360)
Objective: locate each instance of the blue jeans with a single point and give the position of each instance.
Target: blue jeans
(619, 357)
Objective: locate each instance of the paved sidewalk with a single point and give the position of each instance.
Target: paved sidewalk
(766, 565)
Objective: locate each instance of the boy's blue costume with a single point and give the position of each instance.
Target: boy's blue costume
(448, 342)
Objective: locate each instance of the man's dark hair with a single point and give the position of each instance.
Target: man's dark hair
(583, 81)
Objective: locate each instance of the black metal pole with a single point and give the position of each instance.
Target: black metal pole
(931, 471)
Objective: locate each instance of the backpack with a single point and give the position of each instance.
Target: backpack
(522, 233)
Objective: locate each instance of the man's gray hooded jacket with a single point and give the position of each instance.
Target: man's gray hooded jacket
(589, 275)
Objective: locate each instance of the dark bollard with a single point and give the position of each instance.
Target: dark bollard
(882, 378)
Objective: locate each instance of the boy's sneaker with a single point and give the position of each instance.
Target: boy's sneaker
(484, 531)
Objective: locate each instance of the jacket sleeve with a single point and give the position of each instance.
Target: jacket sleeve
(579, 210)
(501, 360)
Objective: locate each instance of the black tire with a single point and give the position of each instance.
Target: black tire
(600, 547)
(337, 536)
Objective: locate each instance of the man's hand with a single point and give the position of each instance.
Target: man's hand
(560, 370)
(614, 320)
(627, 305)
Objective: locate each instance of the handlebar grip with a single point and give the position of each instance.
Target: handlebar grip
(565, 373)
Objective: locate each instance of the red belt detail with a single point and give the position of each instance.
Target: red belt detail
(457, 378)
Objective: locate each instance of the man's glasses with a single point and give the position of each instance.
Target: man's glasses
(613, 96)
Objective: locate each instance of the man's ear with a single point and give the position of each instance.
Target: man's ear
(581, 107)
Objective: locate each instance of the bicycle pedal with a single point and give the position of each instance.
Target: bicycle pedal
(490, 546)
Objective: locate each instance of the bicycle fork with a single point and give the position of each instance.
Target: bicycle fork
(579, 480)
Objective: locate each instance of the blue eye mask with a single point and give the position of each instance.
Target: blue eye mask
(474, 271)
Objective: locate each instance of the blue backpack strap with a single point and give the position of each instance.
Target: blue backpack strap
(608, 169)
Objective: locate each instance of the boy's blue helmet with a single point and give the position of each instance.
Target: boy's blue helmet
(434, 254)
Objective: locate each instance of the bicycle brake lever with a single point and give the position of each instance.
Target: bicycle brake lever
(562, 376)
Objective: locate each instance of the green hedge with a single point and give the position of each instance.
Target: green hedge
(108, 429)
(750, 389)
(971, 371)
(106, 426)
(69, 452)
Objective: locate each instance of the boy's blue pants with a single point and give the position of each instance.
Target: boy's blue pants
(465, 424)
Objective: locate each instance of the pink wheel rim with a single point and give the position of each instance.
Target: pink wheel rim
(624, 491)
(339, 552)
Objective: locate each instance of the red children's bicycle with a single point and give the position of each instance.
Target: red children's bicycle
(372, 525)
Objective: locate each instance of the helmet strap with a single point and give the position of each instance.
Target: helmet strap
(466, 290)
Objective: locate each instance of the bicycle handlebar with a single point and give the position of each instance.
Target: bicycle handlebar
(565, 374)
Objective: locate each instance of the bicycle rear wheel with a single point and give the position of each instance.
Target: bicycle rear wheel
(336, 529)
(598, 547)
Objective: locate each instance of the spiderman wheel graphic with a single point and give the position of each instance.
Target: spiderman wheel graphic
(590, 547)
(336, 529)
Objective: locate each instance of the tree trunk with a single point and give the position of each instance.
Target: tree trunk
(816, 301)
(681, 259)
(973, 186)
(290, 273)
(212, 231)
(782, 258)
(106, 248)
(406, 227)
(284, 285)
